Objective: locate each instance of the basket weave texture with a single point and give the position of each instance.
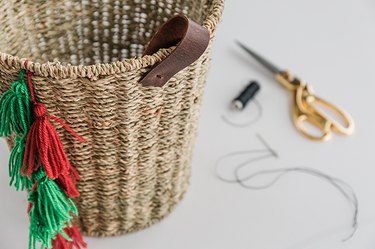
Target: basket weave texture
(135, 164)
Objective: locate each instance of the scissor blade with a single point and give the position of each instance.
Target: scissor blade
(274, 69)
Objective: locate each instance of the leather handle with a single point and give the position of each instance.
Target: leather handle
(191, 41)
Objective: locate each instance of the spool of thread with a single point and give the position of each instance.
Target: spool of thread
(246, 95)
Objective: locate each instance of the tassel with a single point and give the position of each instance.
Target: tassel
(15, 165)
(15, 114)
(44, 158)
(44, 147)
(67, 182)
(51, 211)
(15, 109)
(75, 242)
(43, 144)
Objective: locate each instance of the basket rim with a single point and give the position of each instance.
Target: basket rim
(93, 71)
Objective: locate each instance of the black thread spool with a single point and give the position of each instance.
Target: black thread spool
(246, 95)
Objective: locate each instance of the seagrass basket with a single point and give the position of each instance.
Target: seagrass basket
(86, 59)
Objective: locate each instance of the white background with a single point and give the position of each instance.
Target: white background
(329, 43)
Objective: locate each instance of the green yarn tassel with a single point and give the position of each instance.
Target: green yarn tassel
(15, 165)
(15, 109)
(15, 117)
(50, 213)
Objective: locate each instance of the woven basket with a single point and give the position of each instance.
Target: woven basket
(135, 163)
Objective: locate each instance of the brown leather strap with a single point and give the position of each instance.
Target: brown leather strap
(191, 40)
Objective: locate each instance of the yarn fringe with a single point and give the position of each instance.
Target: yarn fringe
(15, 164)
(75, 241)
(67, 182)
(51, 211)
(39, 163)
(44, 147)
(15, 110)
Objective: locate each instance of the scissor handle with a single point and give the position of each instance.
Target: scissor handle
(300, 119)
(345, 129)
(305, 111)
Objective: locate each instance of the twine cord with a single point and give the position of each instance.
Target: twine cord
(268, 152)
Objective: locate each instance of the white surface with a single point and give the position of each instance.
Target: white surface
(328, 43)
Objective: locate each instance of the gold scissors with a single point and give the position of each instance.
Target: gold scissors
(306, 105)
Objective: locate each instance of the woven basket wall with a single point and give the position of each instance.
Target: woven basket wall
(135, 164)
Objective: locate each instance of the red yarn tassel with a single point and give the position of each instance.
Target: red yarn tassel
(76, 239)
(43, 144)
(67, 182)
(44, 147)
